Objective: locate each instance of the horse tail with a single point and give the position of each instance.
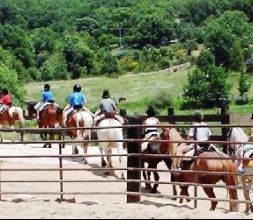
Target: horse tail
(21, 117)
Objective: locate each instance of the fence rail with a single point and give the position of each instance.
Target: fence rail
(133, 169)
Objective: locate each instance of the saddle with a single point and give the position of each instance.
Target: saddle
(3, 110)
(108, 115)
(200, 150)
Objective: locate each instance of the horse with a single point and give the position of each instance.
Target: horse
(9, 117)
(151, 147)
(238, 135)
(50, 117)
(80, 119)
(106, 131)
(204, 165)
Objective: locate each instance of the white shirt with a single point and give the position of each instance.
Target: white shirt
(203, 134)
(153, 121)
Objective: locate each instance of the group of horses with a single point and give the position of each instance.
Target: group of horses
(79, 124)
(110, 129)
(212, 167)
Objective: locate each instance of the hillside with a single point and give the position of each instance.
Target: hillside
(136, 88)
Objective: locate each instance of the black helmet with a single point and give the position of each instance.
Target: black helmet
(77, 88)
(5, 91)
(106, 94)
(46, 87)
(150, 111)
(198, 116)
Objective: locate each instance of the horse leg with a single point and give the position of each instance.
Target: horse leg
(85, 152)
(1, 136)
(120, 150)
(184, 192)
(232, 181)
(246, 192)
(168, 163)
(157, 178)
(147, 185)
(103, 163)
(13, 133)
(210, 193)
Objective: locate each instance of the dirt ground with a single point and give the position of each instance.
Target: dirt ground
(27, 206)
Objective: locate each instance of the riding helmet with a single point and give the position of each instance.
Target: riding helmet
(106, 94)
(77, 88)
(46, 87)
(150, 111)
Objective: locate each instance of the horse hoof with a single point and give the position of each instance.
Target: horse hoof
(154, 191)
(122, 177)
(103, 164)
(85, 162)
(107, 173)
(148, 187)
(45, 146)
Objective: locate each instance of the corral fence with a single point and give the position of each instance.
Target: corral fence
(133, 142)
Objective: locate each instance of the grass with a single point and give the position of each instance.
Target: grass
(137, 88)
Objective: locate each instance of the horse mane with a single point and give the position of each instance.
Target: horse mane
(174, 135)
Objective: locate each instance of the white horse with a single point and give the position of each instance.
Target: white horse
(80, 119)
(243, 151)
(237, 135)
(112, 135)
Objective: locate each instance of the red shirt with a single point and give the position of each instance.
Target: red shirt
(6, 100)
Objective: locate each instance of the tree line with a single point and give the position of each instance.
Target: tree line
(43, 40)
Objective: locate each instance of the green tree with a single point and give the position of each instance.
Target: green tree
(205, 59)
(9, 80)
(244, 84)
(207, 89)
(237, 57)
(220, 35)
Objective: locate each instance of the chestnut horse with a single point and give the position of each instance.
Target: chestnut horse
(50, 117)
(80, 119)
(9, 117)
(204, 165)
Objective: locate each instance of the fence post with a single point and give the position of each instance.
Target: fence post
(171, 114)
(225, 120)
(0, 180)
(133, 162)
(61, 172)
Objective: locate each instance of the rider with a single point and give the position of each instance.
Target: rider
(107, 106)
(197, 134)
(6, 100)
(77, 101)
(47, 97)
(151, 120)
(245, 151)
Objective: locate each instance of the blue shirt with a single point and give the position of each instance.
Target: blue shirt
(77, 99)
(47, 96)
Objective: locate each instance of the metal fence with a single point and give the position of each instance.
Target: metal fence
(133, 182)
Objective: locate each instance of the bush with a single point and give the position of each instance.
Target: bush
(162, 99)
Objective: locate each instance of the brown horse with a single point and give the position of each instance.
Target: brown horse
(155, 148)
(49, 118)
(80, 119)
(204, 165)
(9, 117)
